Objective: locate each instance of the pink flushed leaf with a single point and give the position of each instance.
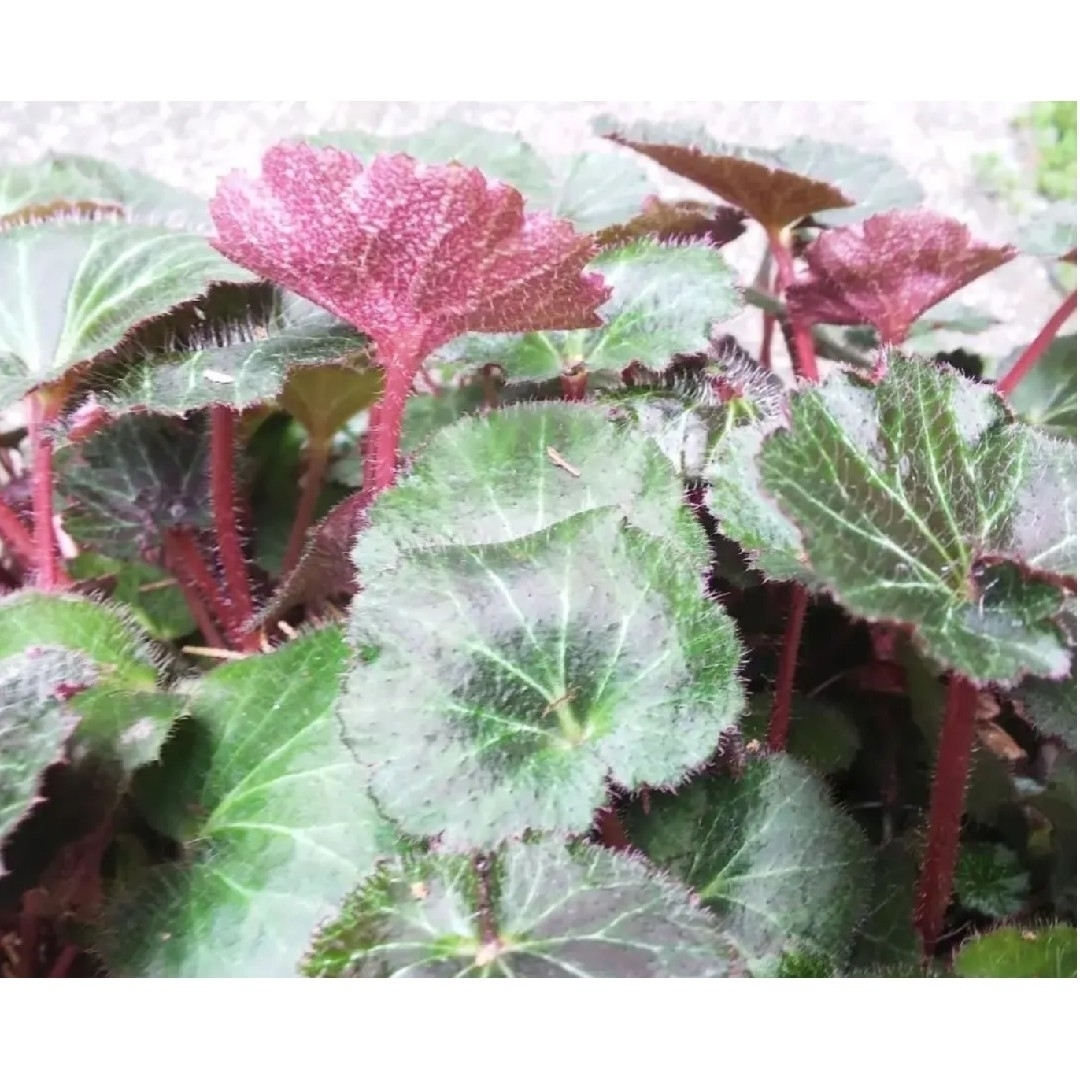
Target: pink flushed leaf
(888, 270)
(412, 255)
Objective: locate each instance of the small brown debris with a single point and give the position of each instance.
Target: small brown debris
(557, 459)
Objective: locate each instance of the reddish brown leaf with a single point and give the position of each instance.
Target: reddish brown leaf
(770, 195)
(888, 270)
(685, 219)
(412, 255)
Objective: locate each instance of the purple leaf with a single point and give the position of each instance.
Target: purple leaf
(412, 255)
(888, 270)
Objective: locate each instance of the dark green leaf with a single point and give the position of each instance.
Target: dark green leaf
(665, 299)
(887, 936)
(1050, 705)
(236, 363)
(73, 178)
(1013, 953)
(125, 486)
(73, 290)
(821, 735)
(1046, 396)
(272, 817)
(533, 911)
(990, 880)
(511, 680)
(921, 503)
(35, 723)
(768, 852)
(517, 471)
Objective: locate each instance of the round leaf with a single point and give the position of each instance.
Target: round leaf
(989, 879)
(533, 911)
(509, 681)
(1013, 953)
(767, 851)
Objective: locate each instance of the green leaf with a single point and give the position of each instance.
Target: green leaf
(510, 681)
(887, 936)
(990, 880)
(123, 718)
(151, 594)
(821, 735)
(271, 815)
(35, 723)
(74, 178)
(1052, 234)
(102, 633)
(325, 398)
(1012, 953)
(665, 299)
(129, 483)
(1046, 396)
(1050, 705)
(531, 911)
(73, 290)
(734, 497)
(229, 362)
(767, 851)
(591, 189)
(518, 471)
(920, 502)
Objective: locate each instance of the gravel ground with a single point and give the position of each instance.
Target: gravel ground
(192, 143)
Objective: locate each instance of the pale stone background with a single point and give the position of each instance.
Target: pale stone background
(192, 143)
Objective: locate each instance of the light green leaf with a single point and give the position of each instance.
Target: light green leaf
(989, 879)
(234, 363)
(1051, 234)
(920, 502)
(35, 723)
(590, 189)
(271, 815)
(73, 290)
(74, 178)
(767, 851)
(531, 911)
(508, 682)
(665, 299)
(1014, 953)
(1046, 396)
(518, 471)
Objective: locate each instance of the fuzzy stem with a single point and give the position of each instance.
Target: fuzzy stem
(805, 361)
(16, 535)
(780, 715)
(200, 591)
(1028, 358)
(384, 431)
(239, 611)
(575, 384)
(50, 575)
(946, 810)
(318, 459)
(64, 962)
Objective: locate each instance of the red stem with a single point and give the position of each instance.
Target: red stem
(780, 716)
(611, 830)
(805, 358)
(384, 431)
(239, 611)
(1028, 358)
(184, 559)
(318, 458)
(50, 575)
(946, 810)
(63, 964)
(16, 535)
